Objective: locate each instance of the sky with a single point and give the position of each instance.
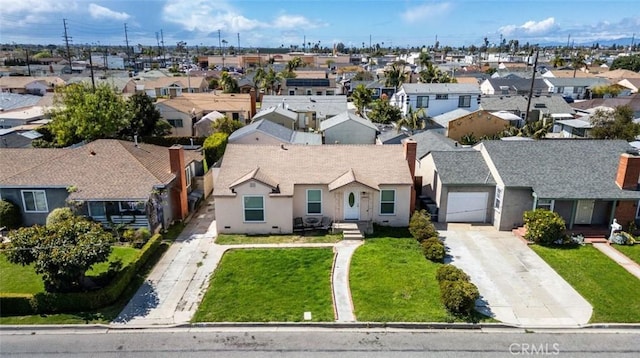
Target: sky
(275, 23)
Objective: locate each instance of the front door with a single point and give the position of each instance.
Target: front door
(584, 212)
(351, 205)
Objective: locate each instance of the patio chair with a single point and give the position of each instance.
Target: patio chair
(298, 224)
(326, 223)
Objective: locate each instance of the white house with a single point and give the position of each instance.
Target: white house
(436, 98)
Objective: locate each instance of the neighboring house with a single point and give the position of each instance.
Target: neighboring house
(514, 86)
(310, 110)
(574, 128)
(16, 138)
(514, 119)
(173, 86)
(111, 181)
(310, 83)
(633, 84)
(576, 88)
(389, 134)
(22, 116)
(204, 126)
(124, 85)
(24, 85)
(348, 128)
(632, 101)
(266, 132)
(553, 106)
(10, 101)
(278, 114)
(619, 74)
(436, 98)
(460, 122)
(181, 114)
(587, 182)
(261, 189)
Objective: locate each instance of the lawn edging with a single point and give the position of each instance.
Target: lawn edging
(12, 304)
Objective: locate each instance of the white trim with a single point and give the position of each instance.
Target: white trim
(386, 202)
(497, 201)
(313, 202)
(24, 203)
(244, 209)
(188, 175)
(548, 204)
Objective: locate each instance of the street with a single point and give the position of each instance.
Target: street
(314, 342)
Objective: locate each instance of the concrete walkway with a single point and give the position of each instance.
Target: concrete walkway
(340, 280)
(619, 258)
(516, 285)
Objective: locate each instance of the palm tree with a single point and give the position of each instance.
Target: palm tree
(270, 80)
(228, 83)
(412, 121)
(578, 62)
(394, 76)
(361, 97)
(258, 77)
(424, 60)
(294, 63)
(557, 62)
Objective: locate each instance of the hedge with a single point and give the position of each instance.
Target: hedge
(457, 293)
(47, 302)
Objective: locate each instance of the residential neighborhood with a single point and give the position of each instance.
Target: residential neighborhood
(344, 184)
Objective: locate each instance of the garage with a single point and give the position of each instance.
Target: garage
(467, 207)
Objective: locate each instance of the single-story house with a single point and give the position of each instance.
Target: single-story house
(111, 181)
(460, 122)
(348, 128)
(310, 110)
(587, 182)
(204, 126)
(262, 189)
(278, 114)
(266, 132)
(436, 98)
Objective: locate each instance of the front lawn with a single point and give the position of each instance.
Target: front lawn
(612, 291)
(309, 238)
(632, 252)
(270, 285)
(391, 281)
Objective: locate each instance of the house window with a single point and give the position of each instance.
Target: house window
(422, 102)
(175, 123)
(387, 202)
(131, 206)
(560, 90)
(235, 116)
(545, 204)
(96, 209)
(464, 101)
(253, 208)
(442, 96)
(188, 175)
(34, 201)
(314, 202)
(318, 93)
(497, 204)
(292, 92)
(330, 93)
(308, 92)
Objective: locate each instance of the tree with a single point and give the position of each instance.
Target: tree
(557, 62)
(412, 121)
(394, 76)
(81, 113)
(10, 216)
(145, 117)
(61, 252)
(294, 63)
(270, 80)
(226, 125)
(214, 147)
(631, 63)
(616, 124)
(578, 62)
(383, 112)
(361, 97)
(421, 227)
(606, 90)
(424, 59)
(228, 83)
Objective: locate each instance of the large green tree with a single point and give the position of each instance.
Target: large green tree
(145, 118)
(81, 113)
(616, 124)
(61, 252)
(226, 125)
(631, 63)
(383, 112)
(228, 83)
(361, 97)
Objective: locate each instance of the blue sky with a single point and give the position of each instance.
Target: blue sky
(287, 22)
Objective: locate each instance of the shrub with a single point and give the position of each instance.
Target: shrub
(214, 147)
(544, 226)
(59, 215)
(459, 297)
(451, 273)
(433, 249)
(10, 216)
(421, 227)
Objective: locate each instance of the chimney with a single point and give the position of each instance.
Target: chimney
(179, 191)
(628, 171)
(252, 93)
(410, 148)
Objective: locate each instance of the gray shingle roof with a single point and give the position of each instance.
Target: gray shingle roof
(518, 84)
(462, 168)
(277, 110)
(577, 82)
(277, 131)
(444, 88)
(552, 103)
(561, 169)
(346, 116)
(324, 106)
(444, 118)
(431, 141)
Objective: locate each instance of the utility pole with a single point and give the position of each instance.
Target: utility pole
(93, 81)
(370, 42)
(66, 41)
(219, 42)
(126, 40)
(533, 78)
(106, 65)
(238, 51)
(158, 43)
(568, 40)
(304, 43)
(28, 66)
(164, 53)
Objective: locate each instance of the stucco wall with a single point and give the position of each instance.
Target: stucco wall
(349, 132)
(515, 202)
(56, 198)
(479, 123)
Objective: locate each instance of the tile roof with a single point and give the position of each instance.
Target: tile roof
(561, 169)
(289, 165)
(105, 169)
(344, 117)
(462, 168)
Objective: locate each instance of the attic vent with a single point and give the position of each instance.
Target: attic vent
(540, 105)
(252, 185)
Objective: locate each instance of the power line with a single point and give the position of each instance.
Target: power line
(66, 41)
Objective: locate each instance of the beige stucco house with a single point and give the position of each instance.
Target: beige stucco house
(260, 189)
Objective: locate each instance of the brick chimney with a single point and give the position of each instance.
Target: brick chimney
(628, 171)
(179, 190)
(410, 149)
(252, 93)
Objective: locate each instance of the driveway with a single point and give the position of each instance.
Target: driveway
(515, 284)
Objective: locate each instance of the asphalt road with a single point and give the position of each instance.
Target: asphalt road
(315, 342)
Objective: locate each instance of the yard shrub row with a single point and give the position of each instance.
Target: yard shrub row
(457, 293)
(46, 302)
(423, 230)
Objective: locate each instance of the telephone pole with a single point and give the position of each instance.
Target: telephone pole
(219, 42)
(126, 40)
(66, 41)
(238, 51)
(93, 81)
(533, 78)
(164, 53)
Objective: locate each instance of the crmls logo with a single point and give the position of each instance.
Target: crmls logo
(534, 349)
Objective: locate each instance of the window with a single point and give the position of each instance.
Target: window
(560, 90)
(442, 96)
(308, 92)
(131, 206)
(314, 202)
(464, 101)
(96, 208)
(254, 208)
(187, 174)
(35, 201)
(235, 116)
(498, 202)
(318, 93)
(545, 204)
(330, 93)
(175, 123)
(292, 92)
(387, 202)
(423, 102)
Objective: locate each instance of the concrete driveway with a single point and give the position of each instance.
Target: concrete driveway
(515, 284)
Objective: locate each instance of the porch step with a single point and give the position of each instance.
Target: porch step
(594, 240)
(352, 235)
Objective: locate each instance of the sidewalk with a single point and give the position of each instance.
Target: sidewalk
(340, 280)
(619, 258)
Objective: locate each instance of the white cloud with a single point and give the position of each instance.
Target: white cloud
(36, 6)
(426, 11)
(530, 28)
(101, 12)
(286, 21)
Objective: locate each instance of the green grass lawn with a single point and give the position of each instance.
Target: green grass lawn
(391, 281)
(612, 291)
(311, 238)
(125, 254)
(632, 252)
(270, 285)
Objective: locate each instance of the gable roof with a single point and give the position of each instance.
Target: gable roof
(462, 168)
(324, 106)
(443, 88)
(344, 117)
(279, 110)
(517, 84)
(577, 82)
(430, 141)
(444, 118)
(561, 169)
(106, 169)
(552, 104)
(372, 165)
(277, 131)
(632, 101)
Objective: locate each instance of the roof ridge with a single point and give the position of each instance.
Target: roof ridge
(138, 161)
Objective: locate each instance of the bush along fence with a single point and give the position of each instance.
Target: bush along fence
(46, 302)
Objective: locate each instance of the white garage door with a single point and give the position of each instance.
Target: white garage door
(467, 207)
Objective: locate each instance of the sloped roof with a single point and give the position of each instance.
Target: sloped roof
(106, 169)
(257, 175)
(324, 106)
(344, 117)
(577, 82)
(444, 118)
(619, 74)
(561, 169)
(632, 101)
(10, 101)
(444, 88)
(279, 110)
(265, 126)
(430, 141)
(552, 103)
(289, 165)
(462, 168)
(518, 84)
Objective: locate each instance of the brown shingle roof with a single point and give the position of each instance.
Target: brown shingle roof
(106, 169)
(372, 165)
